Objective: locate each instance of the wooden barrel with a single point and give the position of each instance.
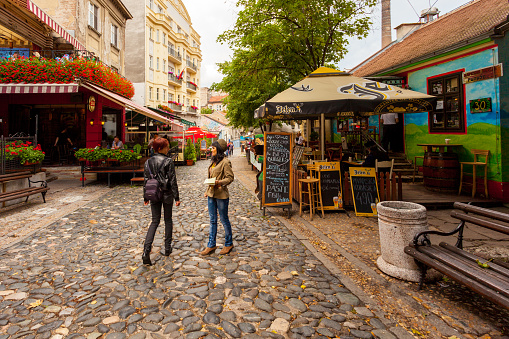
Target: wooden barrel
(441, 171)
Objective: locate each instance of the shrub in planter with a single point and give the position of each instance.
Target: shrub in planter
(190, 151)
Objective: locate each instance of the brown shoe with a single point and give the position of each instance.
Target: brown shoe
(208, 250)
(226, 250)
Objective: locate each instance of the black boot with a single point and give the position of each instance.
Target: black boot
(146, 255)
(167, 248)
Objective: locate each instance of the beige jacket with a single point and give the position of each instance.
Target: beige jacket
(224, 176)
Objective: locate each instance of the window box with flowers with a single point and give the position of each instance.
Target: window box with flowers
(165, 108)
(175, 103)
(34, 70)
(25, 152)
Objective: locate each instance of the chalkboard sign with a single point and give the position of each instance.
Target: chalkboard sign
(330, 185)
(364, 190)
(297, 154)
(277, 169)
(203, 145)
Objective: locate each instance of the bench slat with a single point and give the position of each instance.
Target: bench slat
(490, 294)
(482, 211)
(24, 194)
(493, 266)
(28, 189)
(15, 178)
(481, 275)
(14, 174)
(481, 222)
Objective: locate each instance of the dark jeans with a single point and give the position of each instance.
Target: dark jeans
(389, 137)
(221, 206)
(156, 218)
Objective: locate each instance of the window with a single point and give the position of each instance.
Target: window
(164, 65)
(159, 9)
(449, 113)
(151, 4)
(164, 94)
(164, 38)
(157, 64)
(171, 96)
(157, 94)
(93, 14)
(150, 33)
(157, 36)
(150, 93)
(151, 61)
(171, 69)
(114, 35)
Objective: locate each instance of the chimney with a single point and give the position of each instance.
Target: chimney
(386, 23)
(404, 29)
(428, 15)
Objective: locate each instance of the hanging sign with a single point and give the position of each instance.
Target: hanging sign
(330, 185)
(483, 74)
(364, 191)
(277, 171)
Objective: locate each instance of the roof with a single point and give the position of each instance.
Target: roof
(217, 117)
(217, 98)
(475, 19)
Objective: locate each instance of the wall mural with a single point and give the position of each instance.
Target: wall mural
(483, 129)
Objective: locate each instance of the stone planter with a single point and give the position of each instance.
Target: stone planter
(398, 223)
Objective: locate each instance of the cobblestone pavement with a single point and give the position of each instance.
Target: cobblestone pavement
(81, 277)
(440, 310)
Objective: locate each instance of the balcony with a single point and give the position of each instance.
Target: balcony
(191, 87)
(193, 68)
(175, 107)
(174, 56)
(191, 109)
(173, 80)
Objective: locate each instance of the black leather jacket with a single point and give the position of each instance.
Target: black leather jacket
(163, 169)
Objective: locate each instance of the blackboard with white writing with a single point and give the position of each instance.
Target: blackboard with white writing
(330, 184)
(365, 192)
(277, 169)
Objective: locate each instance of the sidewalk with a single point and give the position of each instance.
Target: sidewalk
(81, 276)
(351, 244)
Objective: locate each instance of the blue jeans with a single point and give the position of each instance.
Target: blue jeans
(220, 205)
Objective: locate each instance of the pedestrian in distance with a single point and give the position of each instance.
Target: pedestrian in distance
(161, 168)
(151, 142)
(219, 198)
(390, 130)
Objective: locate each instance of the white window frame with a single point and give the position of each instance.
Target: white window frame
(150, 93)
(164, 65)
(157, 64)
(157, 94)
(150, 61)
(114, 35)
(157, 36)
(93, 16)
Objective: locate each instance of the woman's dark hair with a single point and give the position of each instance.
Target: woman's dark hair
(216, 159)
(159, 144)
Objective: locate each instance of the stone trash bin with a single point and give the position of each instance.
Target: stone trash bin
(398, 223)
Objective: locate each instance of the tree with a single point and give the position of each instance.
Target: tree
(206, 110)
(278, 42)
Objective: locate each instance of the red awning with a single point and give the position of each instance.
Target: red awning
(127, 103)
(56, 27)
(44, 88)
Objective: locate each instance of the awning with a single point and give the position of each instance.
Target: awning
(127, 103)
(44, 88)
(188, 123)
(164, 113)
(56, 27)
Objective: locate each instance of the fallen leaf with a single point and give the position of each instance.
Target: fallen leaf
(35, 303)
(78, 270)
(303, 286)
(93, 302)
(93, 221)
(294, 273)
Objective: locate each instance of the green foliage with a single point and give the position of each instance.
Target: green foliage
(207, 110)
(190, 151)
(277, 42)
(96, 154)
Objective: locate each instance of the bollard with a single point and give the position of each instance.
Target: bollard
(398, 223)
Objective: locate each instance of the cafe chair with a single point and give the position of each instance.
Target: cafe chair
(314, 192)
(477, 162)
(386, 166)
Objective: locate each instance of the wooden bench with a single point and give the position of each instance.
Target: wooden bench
(109, 171)
(468, 269)
(24, 192)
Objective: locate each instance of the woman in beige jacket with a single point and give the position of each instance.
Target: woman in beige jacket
(218, 197)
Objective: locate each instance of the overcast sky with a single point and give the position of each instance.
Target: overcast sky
(212, 17)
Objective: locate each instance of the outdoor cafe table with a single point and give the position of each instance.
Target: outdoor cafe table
(441, 169)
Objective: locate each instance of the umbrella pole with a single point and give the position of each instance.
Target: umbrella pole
(322, 135)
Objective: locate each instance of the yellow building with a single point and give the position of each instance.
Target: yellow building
(163, 56)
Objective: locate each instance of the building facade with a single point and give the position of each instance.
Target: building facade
(163, 56)
(460, 58)
(98, 24)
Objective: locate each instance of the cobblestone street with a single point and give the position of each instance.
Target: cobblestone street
(81, 277)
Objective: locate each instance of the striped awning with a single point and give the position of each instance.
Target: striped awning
(56, 27)
(43, 88)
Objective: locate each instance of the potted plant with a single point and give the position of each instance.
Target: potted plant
(126, 155)
(190, 153)
(31, 155)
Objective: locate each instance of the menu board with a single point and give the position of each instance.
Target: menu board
(364, 190)
(297, 154)
(277, 169)
(330, 185)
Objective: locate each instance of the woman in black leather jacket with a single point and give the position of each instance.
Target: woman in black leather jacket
(163, 169)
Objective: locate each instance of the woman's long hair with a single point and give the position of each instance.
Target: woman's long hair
(216, 159)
